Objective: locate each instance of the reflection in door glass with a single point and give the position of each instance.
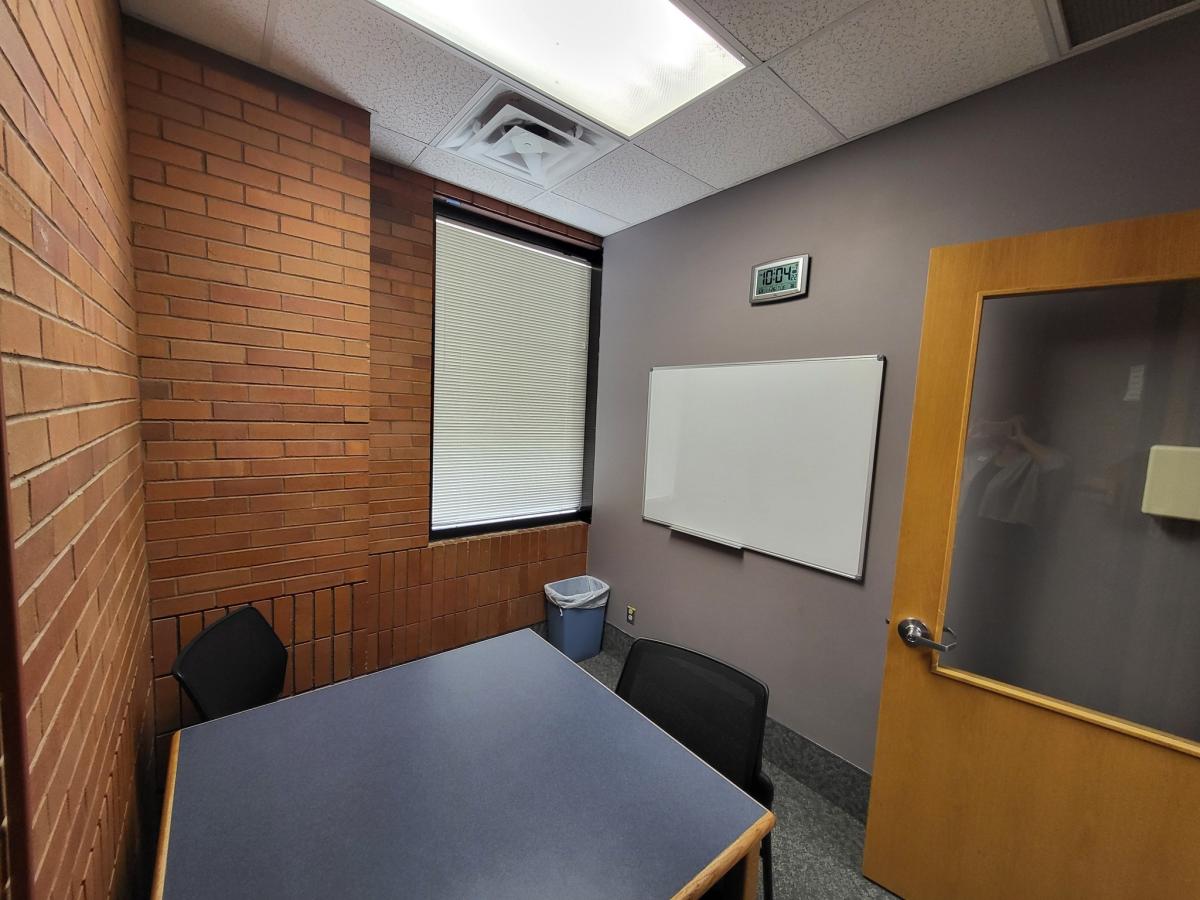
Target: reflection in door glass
(1060, 583)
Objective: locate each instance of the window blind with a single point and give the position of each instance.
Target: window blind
(509, 379)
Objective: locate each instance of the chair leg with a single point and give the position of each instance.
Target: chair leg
(768, 873)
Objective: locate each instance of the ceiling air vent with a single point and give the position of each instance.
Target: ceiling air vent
(513, 134)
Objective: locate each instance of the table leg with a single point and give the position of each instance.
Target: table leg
(750, 873)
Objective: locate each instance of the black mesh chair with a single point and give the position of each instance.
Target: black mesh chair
(716, 711)
(234, 664)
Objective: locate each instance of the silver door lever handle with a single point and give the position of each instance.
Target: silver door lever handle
(916, 633)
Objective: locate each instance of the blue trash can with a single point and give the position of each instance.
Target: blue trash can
(575, 615)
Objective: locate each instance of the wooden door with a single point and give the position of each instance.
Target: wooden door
(987, 782)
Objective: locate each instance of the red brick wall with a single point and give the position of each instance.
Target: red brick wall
(457, 591)
(401, 356)
(317, 627)
(251, 247)
(14, 858)
(68, 340)
(251, 222)
(420, 602)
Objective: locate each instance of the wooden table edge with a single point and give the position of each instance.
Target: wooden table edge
(745, 847)
(164, 836)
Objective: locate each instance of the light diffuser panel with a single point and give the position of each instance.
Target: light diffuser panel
(623, 63)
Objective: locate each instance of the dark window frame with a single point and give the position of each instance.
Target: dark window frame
(444, 208)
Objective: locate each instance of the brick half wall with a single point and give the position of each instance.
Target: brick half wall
(415, 603)
(458, 591)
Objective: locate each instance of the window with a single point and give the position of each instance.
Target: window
(510, 380)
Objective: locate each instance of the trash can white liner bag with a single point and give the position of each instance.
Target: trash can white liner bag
(580, 592)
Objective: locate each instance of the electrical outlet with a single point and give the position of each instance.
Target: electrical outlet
(630, 614)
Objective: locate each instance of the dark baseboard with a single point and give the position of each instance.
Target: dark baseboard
(616, 641)
(840, 782)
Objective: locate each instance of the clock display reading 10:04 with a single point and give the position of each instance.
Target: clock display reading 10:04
(777, 278)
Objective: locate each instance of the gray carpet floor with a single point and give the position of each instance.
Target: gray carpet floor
(817, 846)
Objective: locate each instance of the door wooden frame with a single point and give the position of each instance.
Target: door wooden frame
(1072, 767)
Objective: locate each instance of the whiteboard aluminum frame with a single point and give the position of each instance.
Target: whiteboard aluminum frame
(727, 542)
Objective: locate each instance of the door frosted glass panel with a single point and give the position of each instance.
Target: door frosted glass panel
(1059, 583)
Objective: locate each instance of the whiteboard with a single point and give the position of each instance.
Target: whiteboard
(776, 457)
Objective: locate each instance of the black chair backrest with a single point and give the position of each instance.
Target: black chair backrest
(236, 663)
(716, 711)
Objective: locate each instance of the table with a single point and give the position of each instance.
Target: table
(497, 770)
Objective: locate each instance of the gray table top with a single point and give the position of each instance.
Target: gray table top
(498, 770)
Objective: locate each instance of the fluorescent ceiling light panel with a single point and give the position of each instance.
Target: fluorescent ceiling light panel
(625, 63)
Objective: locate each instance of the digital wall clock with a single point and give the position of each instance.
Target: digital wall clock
(781, 279)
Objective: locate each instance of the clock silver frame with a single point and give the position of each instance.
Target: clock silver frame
(800, 290)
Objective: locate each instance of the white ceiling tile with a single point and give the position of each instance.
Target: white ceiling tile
(556, 207)
(753, 124)
(361, 53)
(768, 26)
(392, 145)
(235, 27)
(897, 58)
(465, 173)
(632, 185)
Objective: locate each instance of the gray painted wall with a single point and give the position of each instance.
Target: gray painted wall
(1112, 134)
